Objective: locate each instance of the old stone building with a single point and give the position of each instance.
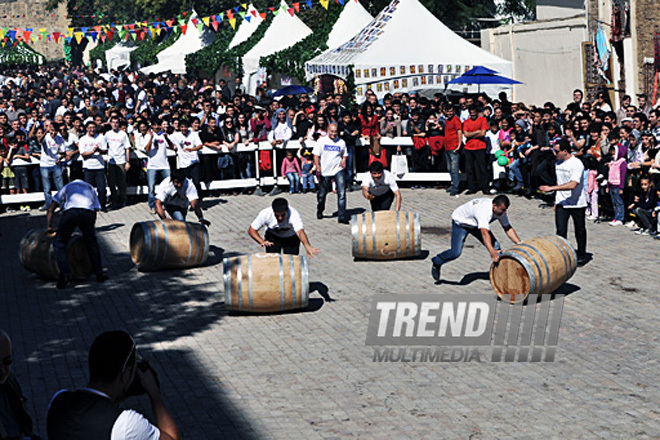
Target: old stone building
(33, 14)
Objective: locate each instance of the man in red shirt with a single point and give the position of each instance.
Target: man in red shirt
(453, 144)
(474, 130)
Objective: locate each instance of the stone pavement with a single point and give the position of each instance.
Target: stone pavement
(309, 375)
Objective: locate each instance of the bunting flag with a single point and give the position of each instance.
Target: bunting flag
(232, 22)
(324, 3)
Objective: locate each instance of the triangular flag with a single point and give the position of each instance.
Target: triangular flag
(248, 18)
(215, 25)
(341, 2)
(182, 22)
(26, 34)
(254, 12)
(69, 32)
(169, 23)
(184, 28)
(79, 36)
(103, 38)
(244, 5)
(242, 14)
(324, 3)
(291, 11)
(56, 35)
(133, 35)
(232, 22)
(194, 21)
(84, 30)
(309, 4)
(200, 26)
(93, 34)
(296, 6)
(207, 21)
(110, 34)
(263, 15)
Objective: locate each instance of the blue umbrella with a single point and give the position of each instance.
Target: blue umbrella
(293, 90)
(482, 75)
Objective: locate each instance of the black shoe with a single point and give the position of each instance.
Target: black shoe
(62, 282)
(470, 192)
(101, 278)
(275, 191)
(319, 215)
(582, 261)
(344, 221)
(435, 272)
(259, 192)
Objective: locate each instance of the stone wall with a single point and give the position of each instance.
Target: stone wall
(648, 22)
(11, 16)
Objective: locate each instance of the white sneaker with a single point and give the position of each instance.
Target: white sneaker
(616, 223)
(592, 218)
(631, 224)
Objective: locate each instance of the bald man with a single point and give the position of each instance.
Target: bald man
(15, 422)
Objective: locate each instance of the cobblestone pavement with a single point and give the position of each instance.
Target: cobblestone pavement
(309, 375)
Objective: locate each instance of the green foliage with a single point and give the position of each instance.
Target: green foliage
(147, 49)
(21, 54)
(292, 60)
(210, 58)
(518, 10)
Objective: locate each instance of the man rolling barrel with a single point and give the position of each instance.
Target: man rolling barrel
(174, 194)
(474, 218)
(284, 229)
(79, 203)
(380, 188)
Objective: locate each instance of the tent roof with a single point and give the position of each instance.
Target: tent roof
(285, 31)
(118, 49)
(173, 58)
(246, 28)
(352, 19)
(404, 34)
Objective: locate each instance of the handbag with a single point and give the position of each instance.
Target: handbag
(399, 165)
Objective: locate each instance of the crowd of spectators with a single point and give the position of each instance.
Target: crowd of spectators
(59, 123)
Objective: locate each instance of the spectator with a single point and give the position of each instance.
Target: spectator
(330, 161)
(474, 130)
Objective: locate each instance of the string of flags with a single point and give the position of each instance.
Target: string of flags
(151, 29)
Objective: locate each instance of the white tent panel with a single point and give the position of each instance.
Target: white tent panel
(284, 31)
(352, 19)
(388, 56)
(173, 58)
(118, 56)
(247, 28)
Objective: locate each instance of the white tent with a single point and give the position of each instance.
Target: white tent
(404, 48)
(246, 28)
(352, 19)
(285, 30)
(173, 58)
(118, 56)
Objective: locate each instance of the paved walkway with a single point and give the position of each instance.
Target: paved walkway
(309, 375)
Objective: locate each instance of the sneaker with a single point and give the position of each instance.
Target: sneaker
(43, 208)
(275, 191)
(152, 211)
(470, 192)
(344, 221)
(453, 193)
(10, 210)
(631, 224)
(656, 236)
(642, 231)
(616, 223)
(435, 272)
(600, 177)
(603, 183)
(319, 215)
(592, 218)
(582, 261)
(259, 192)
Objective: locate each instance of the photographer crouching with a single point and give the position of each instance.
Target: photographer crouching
(93, 412)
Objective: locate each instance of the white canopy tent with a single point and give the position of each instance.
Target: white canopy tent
(352, 19)
(246, 28)
(405, 48)
(285, 30)
(173, 58)
(118, 56)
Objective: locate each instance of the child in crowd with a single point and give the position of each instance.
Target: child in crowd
(519, 158)
(616, 181)
(307, 172)
(291, 169)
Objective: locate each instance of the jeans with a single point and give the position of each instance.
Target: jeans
(453, 159)
(35, 172)
(516, 173)
(293, 182)
(561, 223)
(46, 172)
(176, 212)
(458, 235)
(226, 166)
(307, 181)
(477, 170)
(349, 163)
(21, 179)
(152, 176)
(645, 218)
(117, 183)
(84, 220)
(617, 203)
(96, 178)
(325, 186)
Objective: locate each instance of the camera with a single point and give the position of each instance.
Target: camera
(136, 388)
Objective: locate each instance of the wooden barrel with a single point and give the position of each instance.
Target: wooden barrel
(168, 244)
(265, 283)
(534, 267)
(37, 254)
(386, 235)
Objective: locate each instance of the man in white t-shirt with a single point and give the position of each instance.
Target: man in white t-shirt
(174, 194)
(52, 152)
(380, 188)
(154, 142)
(79, 204)
(571, 197)
(119, 154)
(94, 413)
(474, 218)
(92, 147)
(330, 156)
(187, 144)
(284, 230)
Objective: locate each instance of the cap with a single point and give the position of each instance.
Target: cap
(310, 109)
(627, 120)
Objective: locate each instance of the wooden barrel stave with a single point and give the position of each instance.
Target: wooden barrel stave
(386, 235)
(536, 267)
(168, 244)
(37, 254)
(265, 283)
